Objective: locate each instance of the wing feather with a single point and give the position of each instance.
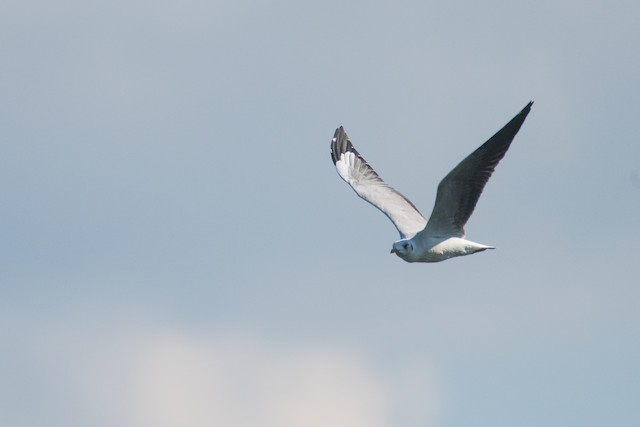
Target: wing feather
(367, 184)
(460, 190)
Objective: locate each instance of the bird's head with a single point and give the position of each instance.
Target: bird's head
(403, 248)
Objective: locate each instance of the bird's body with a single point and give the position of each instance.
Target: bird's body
(436, 249)
(442, 236)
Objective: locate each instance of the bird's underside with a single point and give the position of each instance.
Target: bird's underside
(442, 236)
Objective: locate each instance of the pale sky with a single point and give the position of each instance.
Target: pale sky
(178, 250)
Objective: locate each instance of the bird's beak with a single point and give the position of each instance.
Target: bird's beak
(393, 251)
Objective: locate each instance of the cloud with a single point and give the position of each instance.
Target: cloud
(175, 380)
(128, 373)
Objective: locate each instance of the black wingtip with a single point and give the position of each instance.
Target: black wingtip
(512, 128)
(339, 134)
(338, 144)
(527, 108)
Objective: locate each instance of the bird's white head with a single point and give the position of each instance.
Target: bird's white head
(404, 249)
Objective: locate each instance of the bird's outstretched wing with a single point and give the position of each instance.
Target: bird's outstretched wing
(459, 191)
(368, 185)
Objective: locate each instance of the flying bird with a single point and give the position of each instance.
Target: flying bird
(442, 236)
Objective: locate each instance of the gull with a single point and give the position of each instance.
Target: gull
(442, 236)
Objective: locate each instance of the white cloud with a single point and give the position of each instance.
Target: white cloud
(82, 366)
(166, 378)
(174, 380)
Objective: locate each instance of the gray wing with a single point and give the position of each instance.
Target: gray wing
(460, 190)
(368, 185)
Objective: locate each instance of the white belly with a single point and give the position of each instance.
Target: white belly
(439, 250)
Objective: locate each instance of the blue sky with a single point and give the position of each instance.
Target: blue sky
(177, 249)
